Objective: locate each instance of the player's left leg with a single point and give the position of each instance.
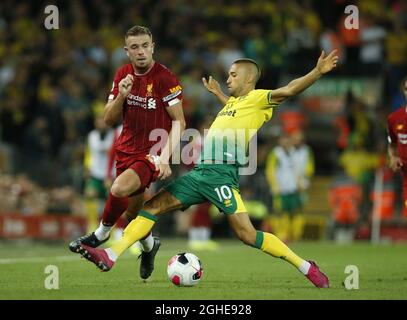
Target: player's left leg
(133, 177)
(149, 244)
(128, 186)
(272, 245)
(135, 205)
(161, 203)
(180, 193)
(116, 204)
(132, 184)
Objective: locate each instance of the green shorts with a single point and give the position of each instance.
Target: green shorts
(289, 203)
(216, 183)
(96, 187)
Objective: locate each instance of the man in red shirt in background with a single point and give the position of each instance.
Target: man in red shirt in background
(397, 137)
(145, 96)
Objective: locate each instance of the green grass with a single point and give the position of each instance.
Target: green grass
(233, 272)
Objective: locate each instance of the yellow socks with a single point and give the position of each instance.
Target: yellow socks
(272, 245)
(297, 227)
(135, 230)
(92, 213)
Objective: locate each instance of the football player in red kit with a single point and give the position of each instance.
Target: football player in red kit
(397, 148)
(145, 96)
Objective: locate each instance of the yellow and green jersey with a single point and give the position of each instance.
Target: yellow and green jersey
(228, 137)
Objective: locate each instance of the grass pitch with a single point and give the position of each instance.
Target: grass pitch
(233, 272)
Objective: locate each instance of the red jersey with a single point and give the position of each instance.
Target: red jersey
(397, 130)
(145, 107)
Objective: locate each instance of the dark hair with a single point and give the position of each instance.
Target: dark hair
(138, 30)
(247, 60)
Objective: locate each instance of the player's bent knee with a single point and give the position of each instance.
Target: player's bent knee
(119, 191)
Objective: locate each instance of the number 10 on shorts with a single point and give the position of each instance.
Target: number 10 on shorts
(224, 193)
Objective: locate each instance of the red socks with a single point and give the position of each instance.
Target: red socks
(114, 208)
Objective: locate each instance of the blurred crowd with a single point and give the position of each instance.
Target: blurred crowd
(18, 193)
(52, 81)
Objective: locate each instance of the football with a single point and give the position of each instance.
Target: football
(184, 269)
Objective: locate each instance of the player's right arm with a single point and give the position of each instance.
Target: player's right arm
(213, 87)
(114, 107)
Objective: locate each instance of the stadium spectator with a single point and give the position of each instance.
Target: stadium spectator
(345, 197)
(383, 195)
(19, 194)
(329, 40)
(99, 143)
(304, 164)
(371, 52)
(283, 180)
(350, 38)
(360, 165)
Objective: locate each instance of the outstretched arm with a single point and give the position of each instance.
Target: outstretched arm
(324, 65)
(213, 86)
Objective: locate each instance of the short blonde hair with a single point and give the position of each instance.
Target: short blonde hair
(138, 30)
